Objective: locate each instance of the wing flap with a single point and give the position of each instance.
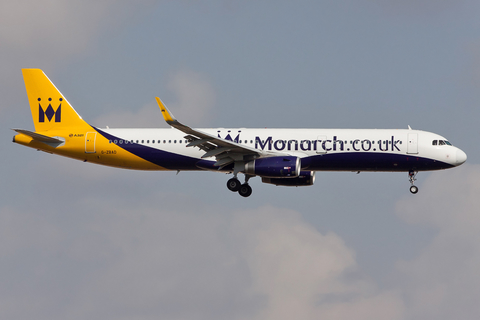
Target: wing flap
(197, 142)
(216, 152)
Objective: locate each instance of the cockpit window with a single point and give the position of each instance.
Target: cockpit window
(441, 143)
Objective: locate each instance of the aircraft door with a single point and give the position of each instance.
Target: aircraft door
(412, 143)
(90, 142)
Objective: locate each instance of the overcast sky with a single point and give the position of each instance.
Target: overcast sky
(80, 241)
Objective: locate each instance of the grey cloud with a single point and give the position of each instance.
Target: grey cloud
(307, 275)
(45, 34)
(57, 28)
(443, 281)
(194, 99)
(195, 96)
(130, 258)
(148, 116)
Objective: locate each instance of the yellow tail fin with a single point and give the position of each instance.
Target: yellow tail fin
(50, 109)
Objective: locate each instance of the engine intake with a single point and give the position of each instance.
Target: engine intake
(274, 167)
(306, 178)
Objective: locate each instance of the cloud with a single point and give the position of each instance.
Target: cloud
(54, 29)
(148, 116)
(45, 34)
(194, 101)
(123, 258)
(195, 97)
(307, 275)
(443, 281)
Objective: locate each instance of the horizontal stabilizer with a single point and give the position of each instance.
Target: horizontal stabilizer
(38, 137)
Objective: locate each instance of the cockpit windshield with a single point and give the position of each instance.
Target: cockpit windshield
(441, 143)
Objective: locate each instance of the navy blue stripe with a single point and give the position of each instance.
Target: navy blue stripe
(371, 161)
(168, 160)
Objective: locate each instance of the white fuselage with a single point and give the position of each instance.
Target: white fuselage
(319, 149)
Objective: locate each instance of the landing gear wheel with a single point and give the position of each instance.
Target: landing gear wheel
(233, 184)
(245, 190)
(413, 189)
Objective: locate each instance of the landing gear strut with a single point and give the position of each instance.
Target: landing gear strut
(236, 186)
(411, 176)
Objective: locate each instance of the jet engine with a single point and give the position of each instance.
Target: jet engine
(274, 167)
(306, 178)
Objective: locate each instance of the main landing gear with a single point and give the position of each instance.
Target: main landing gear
(411, 176)
(236, 186)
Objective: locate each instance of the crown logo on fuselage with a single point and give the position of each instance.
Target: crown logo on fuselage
(49, 112)
(229, 137)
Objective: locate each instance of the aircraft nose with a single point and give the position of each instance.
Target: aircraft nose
(461, 157)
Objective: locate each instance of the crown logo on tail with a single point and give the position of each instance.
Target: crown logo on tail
(49, 112)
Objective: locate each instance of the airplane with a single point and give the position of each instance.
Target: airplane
(282, 157)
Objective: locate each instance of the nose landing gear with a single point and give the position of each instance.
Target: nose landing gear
(411, 176)
(236, 186)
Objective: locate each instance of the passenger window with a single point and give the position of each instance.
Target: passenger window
(434, 142)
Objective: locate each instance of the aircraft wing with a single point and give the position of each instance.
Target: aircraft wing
(225, 151)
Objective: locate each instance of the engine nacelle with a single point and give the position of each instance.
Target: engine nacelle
(274, 167)
(306, 178)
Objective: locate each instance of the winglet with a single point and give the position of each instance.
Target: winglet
(169, 118)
